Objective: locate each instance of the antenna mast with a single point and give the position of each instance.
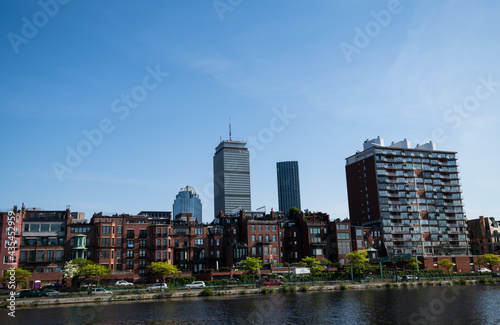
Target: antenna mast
(230, 129)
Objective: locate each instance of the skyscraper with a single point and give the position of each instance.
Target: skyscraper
(412, 194)
(231, 177)
(188, 201)
(288, 185)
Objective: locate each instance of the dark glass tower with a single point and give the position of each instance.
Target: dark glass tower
(188, 201)
(288, 185)
(231, 177)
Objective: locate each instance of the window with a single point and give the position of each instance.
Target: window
(143, 233)
(260, 238)
(274, 238)
(50, 255)
(59, 255)
(267, 227)
(253, 227)
(198, 231)
(274, 227)
(142, 264)
(158, 256)
(344, 247)
(318, 251)
(105, 241)
(254, 251)
(315, 230)
(218, 254)
(142, 243)
(267, 238)
(119, 229)
(343, 235)
(211, 241)
(105, 229)
(217, 242)
(260, 227)
(130, 233)
(130, 243)
(253, 238)
(266, 250)
(294, 234)
(130, 264)
(49, 270)
(198, 241)
(105, 254)
(275, 250)
(118, 241)
(142, 253)
(130, 253)
(118, 254)
(23, 256)
(234, 231)
(342, 227)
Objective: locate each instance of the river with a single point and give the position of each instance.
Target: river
(473, 304)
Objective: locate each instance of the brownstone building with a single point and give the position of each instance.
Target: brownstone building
(484, 236)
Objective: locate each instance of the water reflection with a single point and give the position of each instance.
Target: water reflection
(418, 305)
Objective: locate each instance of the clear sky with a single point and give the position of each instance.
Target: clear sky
(113, 106)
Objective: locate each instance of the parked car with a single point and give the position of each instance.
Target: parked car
(50, 292)
(272, 282)
(18, 292)
(123, 283)
(32, 294)
(101, 291)
(483, 270)
(87, 284)
(196, 284)
(53, 286)
(157, 286)
(410, 278)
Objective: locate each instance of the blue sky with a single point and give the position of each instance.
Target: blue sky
(155, 83)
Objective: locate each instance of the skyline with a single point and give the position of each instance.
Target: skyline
(153, 85)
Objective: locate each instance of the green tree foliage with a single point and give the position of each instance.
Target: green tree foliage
(447, 265)
(358, 261)
(412, 265)
(21, 277)
(251, 263)
(488, 260)
(164, 269)
(313, 264)
(293, 210)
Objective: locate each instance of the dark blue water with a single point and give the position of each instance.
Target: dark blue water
(421, 305)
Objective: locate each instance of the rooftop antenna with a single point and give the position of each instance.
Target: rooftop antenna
(230, 129)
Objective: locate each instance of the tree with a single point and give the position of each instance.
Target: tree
(253, 264)
(313, 264)
(358, 261)
(21, 277)
(412, 265)
(95, 270)
(293, 211)
(164, 269)
(73, 268)
(326, 262)
(447, 265)
(488, 260)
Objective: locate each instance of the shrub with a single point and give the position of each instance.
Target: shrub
(462, 282)
(304, 288)
(482, 280)
(224, 269)
(343, 286)
(180, 280)
(207, 292)
(388, 285)
(243, 292)
(492, 281)
(405, 284)
(420, 283)
(264, 291)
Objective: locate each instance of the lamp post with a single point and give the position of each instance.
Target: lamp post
(416, 262)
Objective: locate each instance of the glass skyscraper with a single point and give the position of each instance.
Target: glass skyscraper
(188, 201)
(288, 185)
(231, 177)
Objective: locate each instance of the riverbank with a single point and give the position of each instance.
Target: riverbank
(173, 294)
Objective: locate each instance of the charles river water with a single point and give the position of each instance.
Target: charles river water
(472, 304)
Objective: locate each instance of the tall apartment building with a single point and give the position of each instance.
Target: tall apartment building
(288, 185)
(188, 201)
(231, 177)
(412, 194)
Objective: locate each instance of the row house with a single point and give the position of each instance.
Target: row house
(11, 224)
(484, 235)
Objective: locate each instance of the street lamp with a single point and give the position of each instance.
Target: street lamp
(416, 262)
